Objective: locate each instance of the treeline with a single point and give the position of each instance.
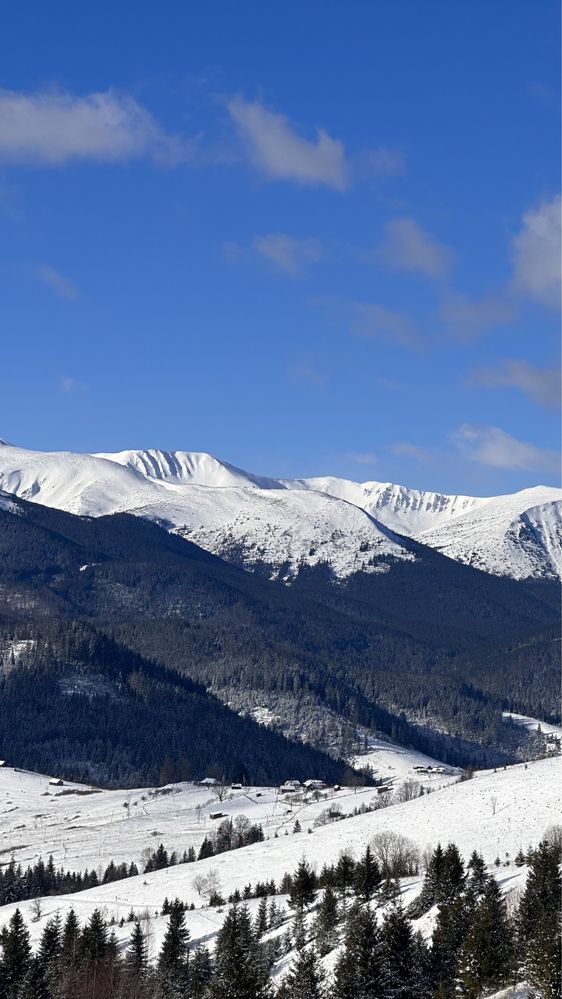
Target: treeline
(94, 711)
(18, 884)
(479, 945)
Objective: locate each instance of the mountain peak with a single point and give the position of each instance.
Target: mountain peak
(193, 467)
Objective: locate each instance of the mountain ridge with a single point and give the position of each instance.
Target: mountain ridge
(279, 525)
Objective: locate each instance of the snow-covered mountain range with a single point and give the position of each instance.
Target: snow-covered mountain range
(282, 524)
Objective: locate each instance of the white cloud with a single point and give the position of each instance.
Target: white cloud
(405, 449)
(71, 385)
(408, 247)
(279, 152)
(54, 128)
(536, 254)
(362, 457)
(495, 448)
(57, 282)
(380, 323)
(540, 384)
(288, 253)
(467, 318)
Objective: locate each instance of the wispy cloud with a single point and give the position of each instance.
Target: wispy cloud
(495, 448)
(287, 253)
(362, 457)
(536, 254)
(388, 325)
(408, 450)
(57, 282)
(274, 146)
(408, 247)
(467, 318)
(542, 385)
(72, 385)
(305, 371)
(55, 128)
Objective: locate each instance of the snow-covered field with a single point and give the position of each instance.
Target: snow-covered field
(285, 523)
(389, 760)
(496, 813)
(85, 827)
(533, 724)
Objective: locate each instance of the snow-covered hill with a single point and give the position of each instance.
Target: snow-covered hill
(495, 813)
(283, 524)
(407, 511)
(81, 826)
(520, 535)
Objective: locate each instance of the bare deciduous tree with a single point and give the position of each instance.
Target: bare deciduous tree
(553, 836)
(220, 790)
(398, 856)
(208, 884)
(409, 790)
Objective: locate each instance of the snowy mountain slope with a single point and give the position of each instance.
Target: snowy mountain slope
(191, 467)
(407, 511)
(519, 535)
(281, 530)
(283, 524)
(78, 483)
(279, 527)
(495, 813)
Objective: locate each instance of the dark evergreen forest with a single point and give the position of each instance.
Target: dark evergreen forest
(128, 627)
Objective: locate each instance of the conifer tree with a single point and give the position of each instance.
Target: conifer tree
(36, 984)
(200, 972)
(539, 923)
(326, 923)
(367, 876)
(453, 876)
(239, 971)
(431, 885)
(400, 951)
(16, 956)
(422, 970)
(306, 979)
(486, 957)
(50, 947)
(70, 940)
(477, 875)
(453, 921)
(93, 940)
(434, 873)
(361, 970)
(174, 954)
(302, 892)
(136, 955)
(261, 918)
(344, 875)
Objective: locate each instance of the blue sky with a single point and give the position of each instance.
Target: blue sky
(316, 238)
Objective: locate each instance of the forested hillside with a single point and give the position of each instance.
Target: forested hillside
(428, 654)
